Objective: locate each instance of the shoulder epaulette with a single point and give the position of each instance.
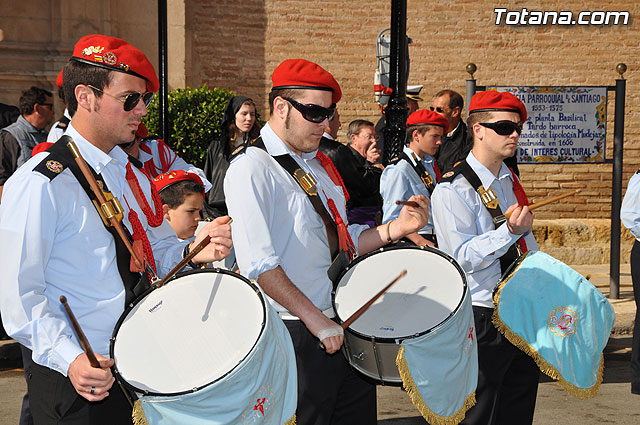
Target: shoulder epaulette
(395, 160)
(449, 176)
(239, 150)
(638, 172)
(63, 123)
(51, 166)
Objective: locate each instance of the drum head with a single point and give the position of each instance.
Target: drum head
(432, 290)
(189, 333)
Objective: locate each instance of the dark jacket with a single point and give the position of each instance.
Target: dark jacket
(360, 177)
(217, 160)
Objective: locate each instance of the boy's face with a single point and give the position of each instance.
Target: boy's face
(184, 219)
(427, 143)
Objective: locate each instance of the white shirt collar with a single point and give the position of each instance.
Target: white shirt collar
(449, 134)
(486, 176)
(426, 158)
(95, 157)
(276, 146)
(328, 136)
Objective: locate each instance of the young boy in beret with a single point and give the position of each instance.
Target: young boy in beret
(182, 195)
(58, 245)
(414, 172)
(464, 205)
(277, 191)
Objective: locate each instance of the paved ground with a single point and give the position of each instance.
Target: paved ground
(614, 403)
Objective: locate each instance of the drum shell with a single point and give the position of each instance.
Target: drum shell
(374, 357)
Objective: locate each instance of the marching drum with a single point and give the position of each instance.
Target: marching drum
(556, 316)
(206, 348)
(419, 334)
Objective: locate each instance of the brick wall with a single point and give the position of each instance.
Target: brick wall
(238, 45)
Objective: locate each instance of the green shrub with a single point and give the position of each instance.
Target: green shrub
(194, 117)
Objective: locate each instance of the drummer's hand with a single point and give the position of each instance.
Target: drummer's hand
(220, 245)
(410, 219)
(83, 376)
(521, 219)
(319, 323)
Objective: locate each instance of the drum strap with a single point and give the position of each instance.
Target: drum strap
(340, 257)
(420, 171)
(491, 203)
(134, 283)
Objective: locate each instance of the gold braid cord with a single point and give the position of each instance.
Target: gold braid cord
(139, 417)
(545, 367)
(430, 416)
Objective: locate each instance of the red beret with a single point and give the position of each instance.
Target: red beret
(59, 78)
(115, 54)
(175, 176)
(425, 116)
(491, 100)
(40, 147)
(302, 74)
(142, 131)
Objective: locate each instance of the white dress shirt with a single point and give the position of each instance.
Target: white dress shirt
(630, 211)
(274, 223)
(466, 231)
(400, 181)
(158, 150)
(54, 243)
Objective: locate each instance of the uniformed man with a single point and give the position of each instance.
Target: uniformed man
(467, 207)
(282, 240)
(54, 241)
(415, 172)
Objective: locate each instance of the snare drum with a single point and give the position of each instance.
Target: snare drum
(558, 317)
(420, 333)
(206, 348)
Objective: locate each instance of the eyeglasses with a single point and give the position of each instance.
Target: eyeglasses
(504, 127)
(437, 109)
(312, 113)
(131, 100)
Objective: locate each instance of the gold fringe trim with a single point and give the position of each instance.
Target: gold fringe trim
(430, 416)
(138, 415)
(544, 366)
(291, 421)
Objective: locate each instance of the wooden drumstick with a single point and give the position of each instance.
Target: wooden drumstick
(192, 253)
(408, 203)
(100, 196)
(547, 201)
(84, 342)
(368, 304)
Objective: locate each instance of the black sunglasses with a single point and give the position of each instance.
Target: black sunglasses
(437, 109)
(504, 127)
(131, 100)
(312, 113)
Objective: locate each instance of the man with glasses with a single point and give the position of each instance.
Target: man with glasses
(288, 205)
(18, 139)
(54, 241)
(468, 206)
(455, 145)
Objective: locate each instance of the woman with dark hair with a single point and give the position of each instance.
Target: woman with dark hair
(239, 125)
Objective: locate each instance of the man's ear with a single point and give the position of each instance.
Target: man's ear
(85, 97)
(165, 211)
(456, 111)
(280, 107)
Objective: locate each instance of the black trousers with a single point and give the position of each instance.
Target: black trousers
(507, 378)
(635, 342)
(329, 392)
(54, 400)
(27, 362)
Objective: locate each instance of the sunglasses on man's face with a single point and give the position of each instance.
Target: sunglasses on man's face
(131, 100)
(437, 109)
(312, 113)
(504, 127)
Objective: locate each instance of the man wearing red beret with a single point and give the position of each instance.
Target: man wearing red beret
(282, 240)
(415, 171)
(468, 208)
(54, 241)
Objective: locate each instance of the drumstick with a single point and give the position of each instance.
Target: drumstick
(192, 253)
(368, 304)
(547, 201)
(100, 196)
(84, 342)
(408, 203)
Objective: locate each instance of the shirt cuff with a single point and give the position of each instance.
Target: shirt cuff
(261, 266)
(63, 354)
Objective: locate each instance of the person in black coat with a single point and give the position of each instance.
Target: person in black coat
(239, 125)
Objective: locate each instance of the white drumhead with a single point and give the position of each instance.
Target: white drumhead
(432, 289)
(189, 333)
